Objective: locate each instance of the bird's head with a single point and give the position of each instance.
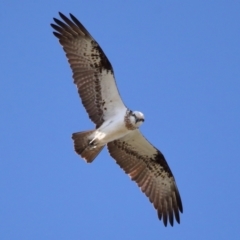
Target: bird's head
(136, 118)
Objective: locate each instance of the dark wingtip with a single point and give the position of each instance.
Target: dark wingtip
(57, 35)
(171, 218)
(74, 19)
(179, 201)
(165, 219)
(176, 214)
(165, 222)
(61, 15)
(64, 18)
(55, 27)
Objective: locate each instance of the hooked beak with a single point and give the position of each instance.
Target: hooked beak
(140, 120)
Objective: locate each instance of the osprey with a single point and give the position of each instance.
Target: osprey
(116, 125)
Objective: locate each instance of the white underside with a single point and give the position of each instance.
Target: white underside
(110, 130)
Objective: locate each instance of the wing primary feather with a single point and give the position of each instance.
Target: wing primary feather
(56, 27)
(75, 20)
(61, 30)
(57, 35)
(165, 212)
(178, 198)
(175, 207)
(61, 24)
(66, 28)
(170, 211)
(70, 23)
(159, 214)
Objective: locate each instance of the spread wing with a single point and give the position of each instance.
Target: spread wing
(92, 71)
(148, 168)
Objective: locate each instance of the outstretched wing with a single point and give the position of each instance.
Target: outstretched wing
(92, 71)
(148, 168)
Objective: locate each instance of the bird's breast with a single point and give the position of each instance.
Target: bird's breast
(111, 130)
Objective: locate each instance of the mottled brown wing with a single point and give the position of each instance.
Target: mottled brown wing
(92, 71)
(148, 168)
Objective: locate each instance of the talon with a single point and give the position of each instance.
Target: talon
(92, 144)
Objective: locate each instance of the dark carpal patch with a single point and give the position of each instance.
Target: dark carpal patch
(100, 58)
(160, 159)
(157, 164)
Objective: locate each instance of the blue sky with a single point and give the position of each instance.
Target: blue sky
(177, 62)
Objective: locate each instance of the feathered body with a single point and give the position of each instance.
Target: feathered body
(116, 125)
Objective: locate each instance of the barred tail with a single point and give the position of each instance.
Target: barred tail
(81, 145)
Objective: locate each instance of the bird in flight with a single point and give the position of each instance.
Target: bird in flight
(117, 127)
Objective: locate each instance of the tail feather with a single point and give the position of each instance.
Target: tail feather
(81, 145)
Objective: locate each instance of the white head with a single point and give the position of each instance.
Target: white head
(136, 118)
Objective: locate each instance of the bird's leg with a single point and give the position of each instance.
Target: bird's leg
(92, 143)
(96, 139)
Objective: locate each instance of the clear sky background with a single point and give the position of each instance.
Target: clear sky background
(176, 61)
